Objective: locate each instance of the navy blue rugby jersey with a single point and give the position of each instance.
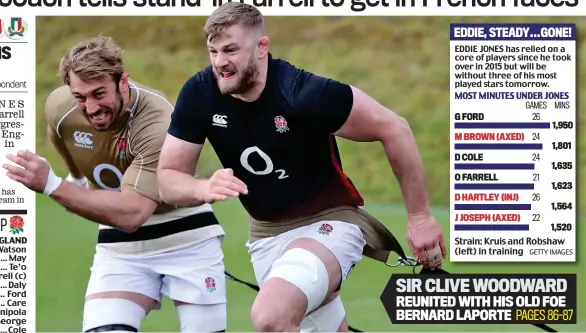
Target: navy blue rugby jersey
(281, 145)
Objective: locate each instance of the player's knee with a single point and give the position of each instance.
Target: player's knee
(267, 320)
(329, 318)
(112, 315)
(202, 317)
(298, 276)
(307, 272)
(265, 315)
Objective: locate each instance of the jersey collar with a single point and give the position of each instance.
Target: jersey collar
(134, 95)
(270, 79)
(126, 114)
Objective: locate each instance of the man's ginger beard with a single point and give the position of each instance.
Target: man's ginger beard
(245, 80)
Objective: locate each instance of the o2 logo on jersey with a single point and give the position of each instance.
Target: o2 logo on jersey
(269, 163)
(98, 176)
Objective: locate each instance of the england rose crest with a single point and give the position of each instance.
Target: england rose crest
(325, 229)
(16, 225)
(210, 284)
(122, 148)
(281, 124)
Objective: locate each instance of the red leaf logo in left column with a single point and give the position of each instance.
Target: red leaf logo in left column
(16, 224)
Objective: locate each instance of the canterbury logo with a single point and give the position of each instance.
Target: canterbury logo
(220, 120)
(83, 139)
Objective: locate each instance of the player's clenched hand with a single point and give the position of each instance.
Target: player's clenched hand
(426, 240)
(32, 171)
(222, 185)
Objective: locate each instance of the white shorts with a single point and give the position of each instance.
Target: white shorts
(193, 274)
(345, 240)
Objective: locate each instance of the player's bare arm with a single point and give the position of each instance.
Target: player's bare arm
(370, 121)
(125, 210)
(179, 187)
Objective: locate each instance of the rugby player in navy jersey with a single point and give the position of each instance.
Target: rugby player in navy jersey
(273, 127)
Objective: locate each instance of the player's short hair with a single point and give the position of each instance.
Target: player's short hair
(93, 58)
(231, 14)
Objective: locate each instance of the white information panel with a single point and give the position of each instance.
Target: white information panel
(513, 142)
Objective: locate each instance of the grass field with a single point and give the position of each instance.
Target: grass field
(403, 62)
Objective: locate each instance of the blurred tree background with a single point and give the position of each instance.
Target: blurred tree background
(402, 62)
